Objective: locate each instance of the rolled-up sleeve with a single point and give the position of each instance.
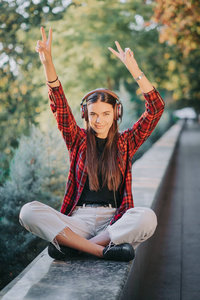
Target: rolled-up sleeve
(63, 115)
(143, 128)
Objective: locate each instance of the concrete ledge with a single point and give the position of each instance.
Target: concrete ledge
(80, 278)
(149, 171)
(90, 278)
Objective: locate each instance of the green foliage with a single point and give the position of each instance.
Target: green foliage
(38, 171)
(181, 22)
(20, 101)
(185, 78)
(38, 168)
(178, 23)
(81, 52)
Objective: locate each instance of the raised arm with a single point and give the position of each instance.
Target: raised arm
(44, 49)
(58, 102)
(127, 57)
(143, 128)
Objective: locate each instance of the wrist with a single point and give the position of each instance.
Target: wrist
(52, 81)
(48, 63)
(139, 77)
(136, 73)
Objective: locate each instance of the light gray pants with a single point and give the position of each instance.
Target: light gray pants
(134, 227)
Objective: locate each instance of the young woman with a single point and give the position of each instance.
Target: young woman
(97, 214)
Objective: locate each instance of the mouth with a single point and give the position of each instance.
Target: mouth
(99, 126)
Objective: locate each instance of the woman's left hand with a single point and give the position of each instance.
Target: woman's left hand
(127, 57)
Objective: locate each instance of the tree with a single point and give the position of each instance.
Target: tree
(81, 53)
(20, 102)
(179, 27)
(181, 20)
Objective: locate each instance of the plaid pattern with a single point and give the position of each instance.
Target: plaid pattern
(75, 138)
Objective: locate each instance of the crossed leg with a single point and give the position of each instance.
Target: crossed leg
(35, 216)
(134, 227)
(71, 239)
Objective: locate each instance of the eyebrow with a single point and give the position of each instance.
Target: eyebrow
(107, 111)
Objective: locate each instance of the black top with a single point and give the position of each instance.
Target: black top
(103, 195)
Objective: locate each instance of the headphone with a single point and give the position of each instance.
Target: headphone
(84, 112)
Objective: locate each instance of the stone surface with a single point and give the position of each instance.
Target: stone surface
(78, 278)
(149, 171)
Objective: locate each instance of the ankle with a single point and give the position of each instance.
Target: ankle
(100, 251)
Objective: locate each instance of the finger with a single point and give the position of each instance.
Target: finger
(118, 47)
(39, 43)
(113, 51)
(127, 55)
(128, 52)
(39, 48)
(44, 38)
(50, 36)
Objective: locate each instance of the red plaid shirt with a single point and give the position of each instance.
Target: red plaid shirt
(75, 138)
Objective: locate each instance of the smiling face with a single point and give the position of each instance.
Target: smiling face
(100, 117)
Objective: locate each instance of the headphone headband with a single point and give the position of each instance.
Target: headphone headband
(99, 90)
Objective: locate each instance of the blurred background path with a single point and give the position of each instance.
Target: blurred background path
(173, 271)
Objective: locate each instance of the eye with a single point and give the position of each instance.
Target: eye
(106, 114)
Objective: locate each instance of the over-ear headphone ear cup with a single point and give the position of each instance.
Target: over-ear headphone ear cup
(85, 112)
(118, 111)
(82, 111)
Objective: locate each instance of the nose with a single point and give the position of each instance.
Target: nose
(98, 120)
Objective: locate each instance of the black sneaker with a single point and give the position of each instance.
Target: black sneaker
(122, 252)
(66, 252)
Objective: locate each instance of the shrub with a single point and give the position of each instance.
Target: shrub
(38, 171)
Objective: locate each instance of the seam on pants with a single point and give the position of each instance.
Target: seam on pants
(62, 232)
(55, 242)
(25, 226)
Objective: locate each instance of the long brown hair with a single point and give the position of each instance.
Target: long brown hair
(107, 164)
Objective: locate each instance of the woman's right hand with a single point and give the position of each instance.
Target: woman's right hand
(44, 47)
